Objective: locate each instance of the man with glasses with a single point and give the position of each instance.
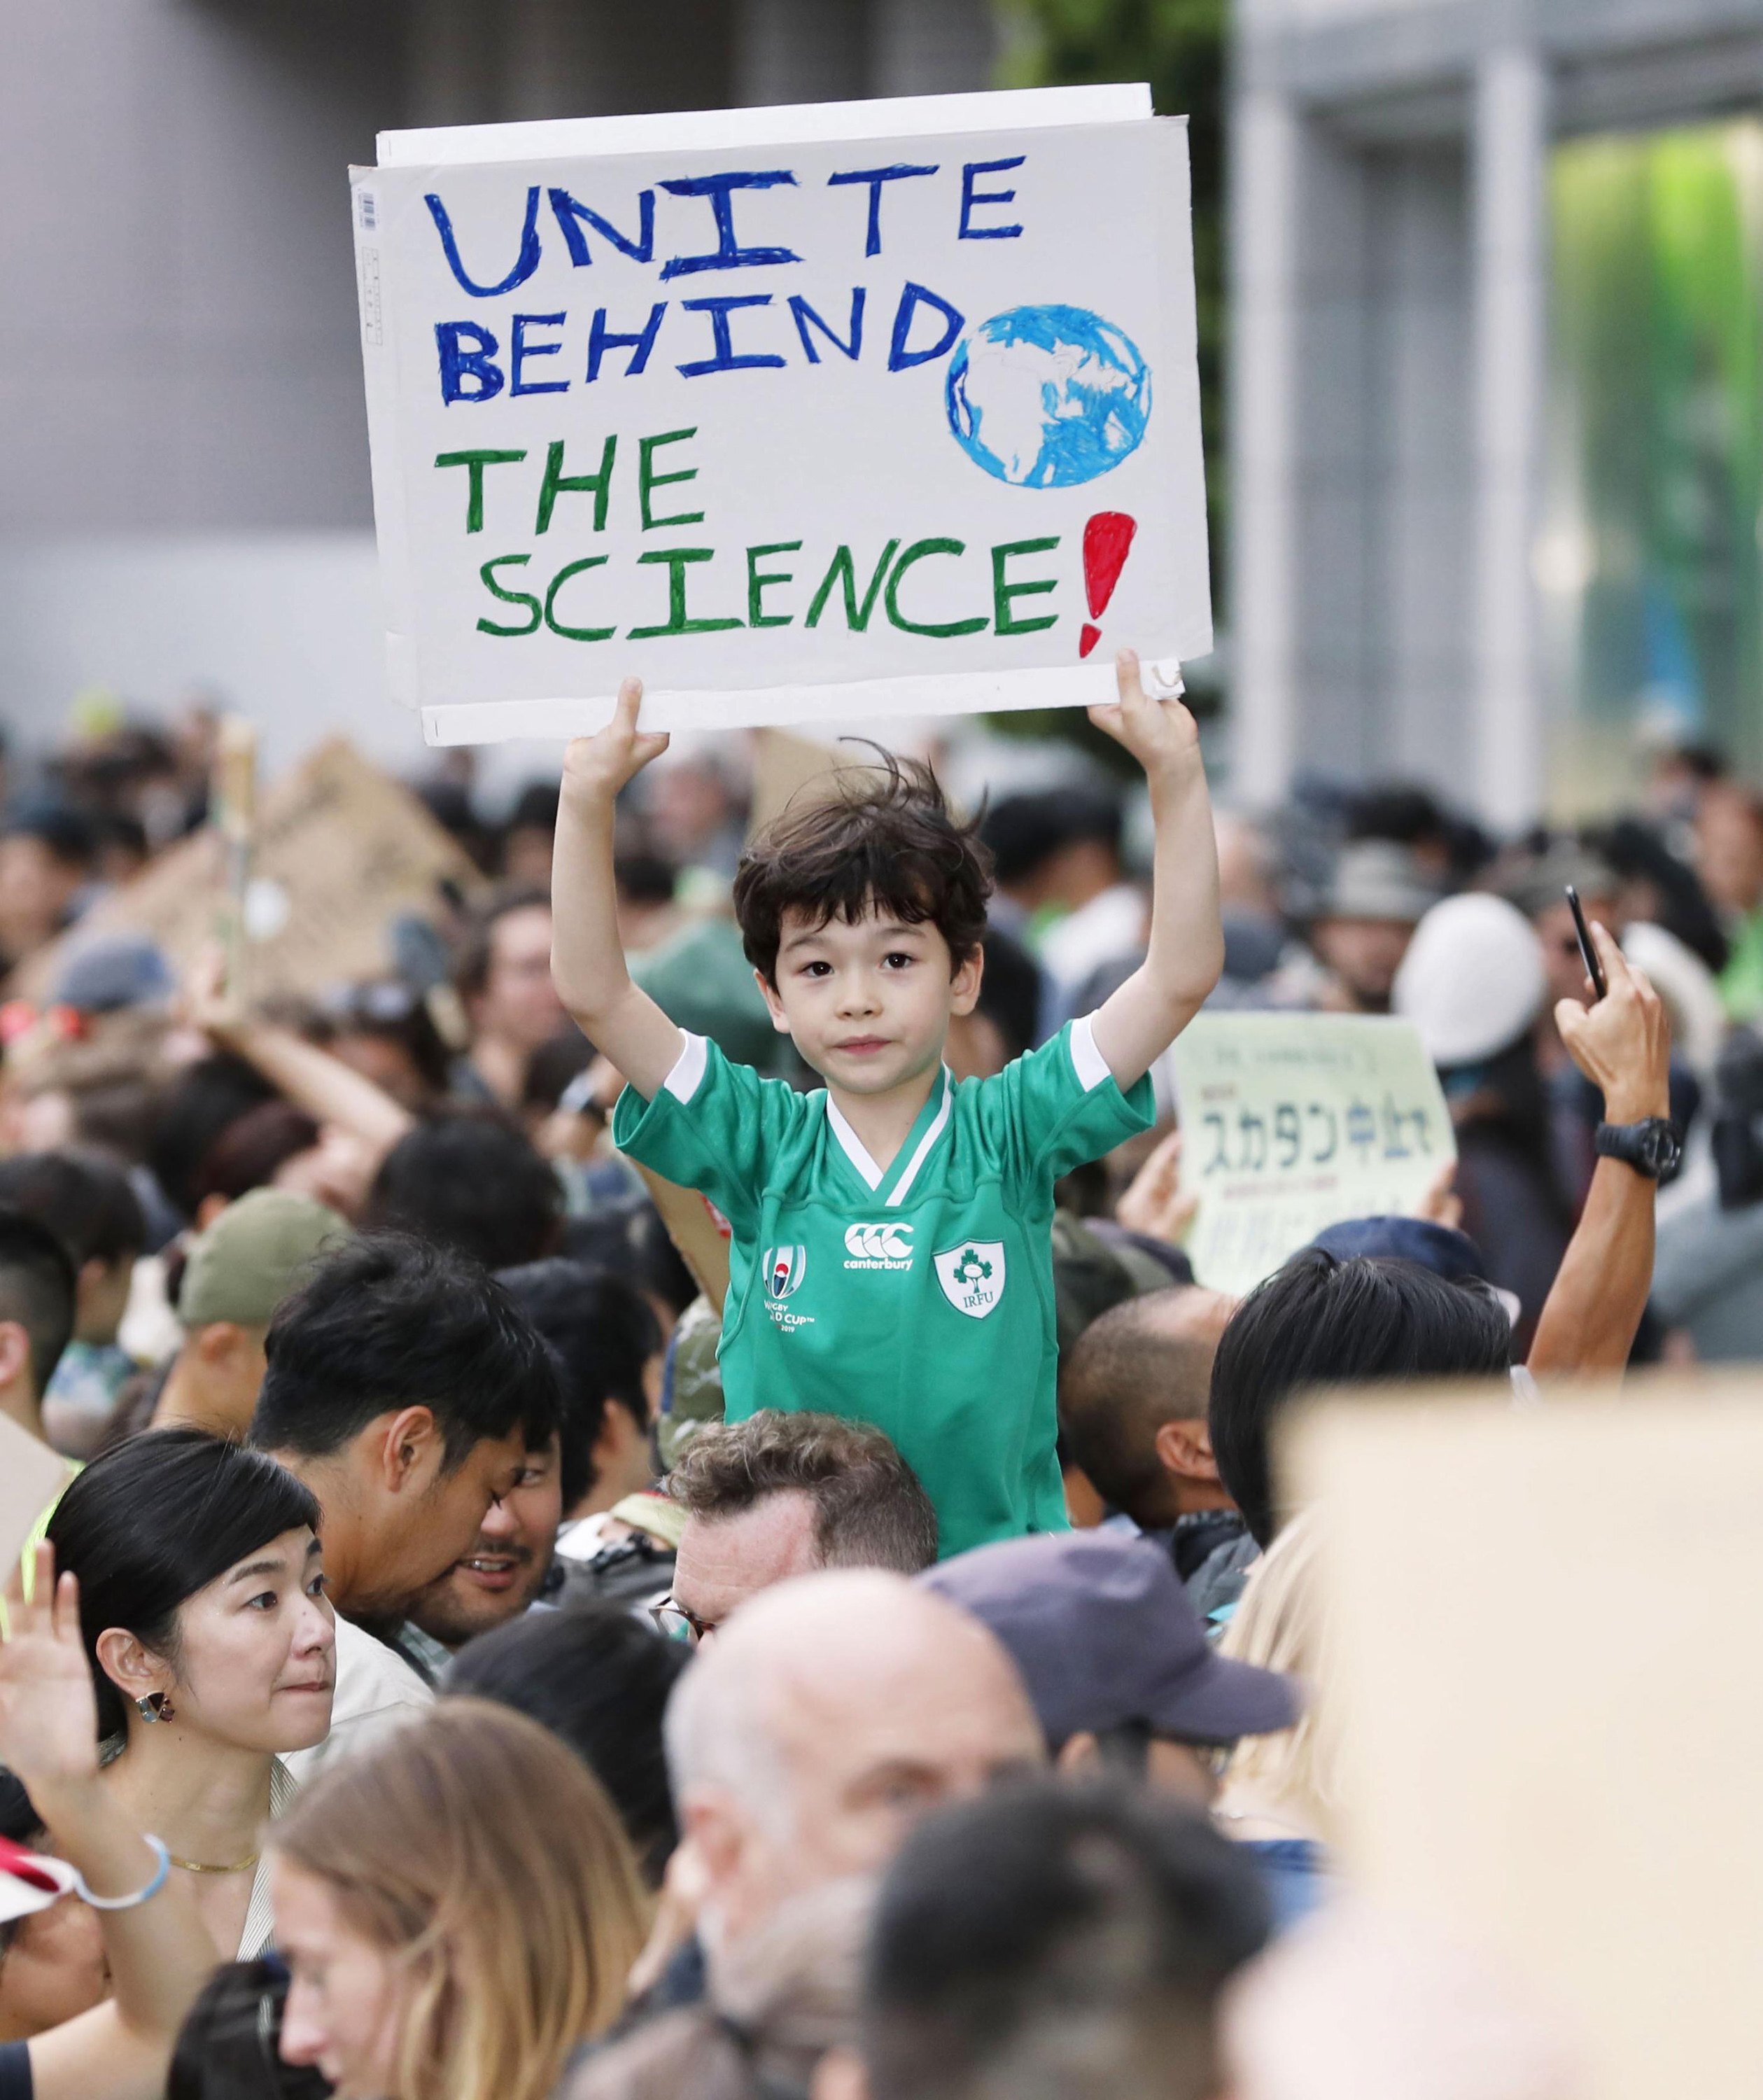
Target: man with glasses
(779, 1495)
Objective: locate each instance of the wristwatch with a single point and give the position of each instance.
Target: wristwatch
(1653, 1148)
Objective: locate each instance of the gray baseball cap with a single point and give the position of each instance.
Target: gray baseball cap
(1103, 1632)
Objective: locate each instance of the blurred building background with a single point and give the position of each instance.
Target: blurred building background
(1498, 395)
(1495, 318)
(185, 497)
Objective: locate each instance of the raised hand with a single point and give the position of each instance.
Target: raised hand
(1621, 1042)
(1154, 1202)
(1162, 734)
(48, 1711)
(599, 765)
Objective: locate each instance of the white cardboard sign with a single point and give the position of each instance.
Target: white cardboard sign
(798, 415)
(1292, 1121)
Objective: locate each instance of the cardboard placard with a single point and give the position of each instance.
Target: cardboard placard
(1292, 1121)
(1545, 1651)
(800, 415)
(338, 851)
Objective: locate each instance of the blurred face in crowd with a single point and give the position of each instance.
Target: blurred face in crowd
(518, 1002)
(53, 1969)
(508, 1562)
(724, 1560)
(345, 1992)
(255, 1661)
(688, 805)
(36, 887)
(868, 1005)
(1365, 955)
(1729, 847)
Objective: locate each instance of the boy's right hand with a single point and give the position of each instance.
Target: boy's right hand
(599, 765)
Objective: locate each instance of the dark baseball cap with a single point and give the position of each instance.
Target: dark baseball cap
(1103, 1634)
(1443, 1249)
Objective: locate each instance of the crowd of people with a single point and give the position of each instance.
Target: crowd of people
(647, 1502)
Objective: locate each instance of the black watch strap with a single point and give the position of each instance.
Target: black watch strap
(1653, 1148)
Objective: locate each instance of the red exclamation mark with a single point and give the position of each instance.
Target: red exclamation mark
(1107, 540)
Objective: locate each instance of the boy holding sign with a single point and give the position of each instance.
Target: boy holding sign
(891, 1259)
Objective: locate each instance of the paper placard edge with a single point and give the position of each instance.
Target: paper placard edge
(779, 706)
(788, 124)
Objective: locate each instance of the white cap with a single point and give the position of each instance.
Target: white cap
(1472, 981)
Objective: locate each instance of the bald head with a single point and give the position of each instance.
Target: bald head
(1145, 1367)
(829, 1713)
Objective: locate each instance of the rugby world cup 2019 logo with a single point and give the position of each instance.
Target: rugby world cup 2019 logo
(784, 1269)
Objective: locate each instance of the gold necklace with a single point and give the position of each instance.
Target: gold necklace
(200, 1867)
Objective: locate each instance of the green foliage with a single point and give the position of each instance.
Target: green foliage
(1179, 46)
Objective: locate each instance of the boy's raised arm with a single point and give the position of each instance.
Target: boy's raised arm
(1185, 952)
(586, 956)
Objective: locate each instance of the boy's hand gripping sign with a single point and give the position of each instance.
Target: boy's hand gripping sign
(797, 414)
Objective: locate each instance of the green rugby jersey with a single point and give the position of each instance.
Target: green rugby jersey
(919, 1299)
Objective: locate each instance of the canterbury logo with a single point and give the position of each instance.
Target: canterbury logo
(889, 1242)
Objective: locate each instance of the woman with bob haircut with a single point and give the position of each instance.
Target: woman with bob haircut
(459, 1909)
(212, 1649)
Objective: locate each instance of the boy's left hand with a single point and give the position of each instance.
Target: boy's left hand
(1162, 734)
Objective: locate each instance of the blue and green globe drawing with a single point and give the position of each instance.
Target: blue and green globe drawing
(1047, 397)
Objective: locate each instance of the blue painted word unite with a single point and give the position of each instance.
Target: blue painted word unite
(478, 362)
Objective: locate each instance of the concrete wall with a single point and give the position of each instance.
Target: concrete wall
(186, 495)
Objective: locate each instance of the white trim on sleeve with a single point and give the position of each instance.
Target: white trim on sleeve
(1087, 1061)
(688, 1073)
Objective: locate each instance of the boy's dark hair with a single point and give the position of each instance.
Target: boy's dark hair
(37, 1288)
(869, 1510)
(471, 1181)
(151, 1523)
(604, 1333)
(885, 842)
(1321, 1321)
(388, 1322)
(598, 1679)
(1048, 1938)
(86, 1201)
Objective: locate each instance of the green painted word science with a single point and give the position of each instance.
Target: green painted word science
(846, 583)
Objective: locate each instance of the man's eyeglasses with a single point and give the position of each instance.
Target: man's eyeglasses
(677, 1622)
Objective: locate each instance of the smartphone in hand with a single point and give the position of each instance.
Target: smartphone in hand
(1593, 967)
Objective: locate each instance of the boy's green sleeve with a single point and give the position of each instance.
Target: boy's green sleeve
(710, 1125)
(1060, 1105)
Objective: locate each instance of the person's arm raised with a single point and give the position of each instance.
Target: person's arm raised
(586, 956)
(329, 1090)
(1622, 1043)
(158, 1951)
(1185, 953)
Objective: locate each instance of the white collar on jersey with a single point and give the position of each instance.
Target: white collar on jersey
(858, 1151)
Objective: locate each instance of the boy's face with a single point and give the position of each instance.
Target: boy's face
(868, 1005)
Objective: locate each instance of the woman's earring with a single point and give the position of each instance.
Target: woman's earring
(154, 1707)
